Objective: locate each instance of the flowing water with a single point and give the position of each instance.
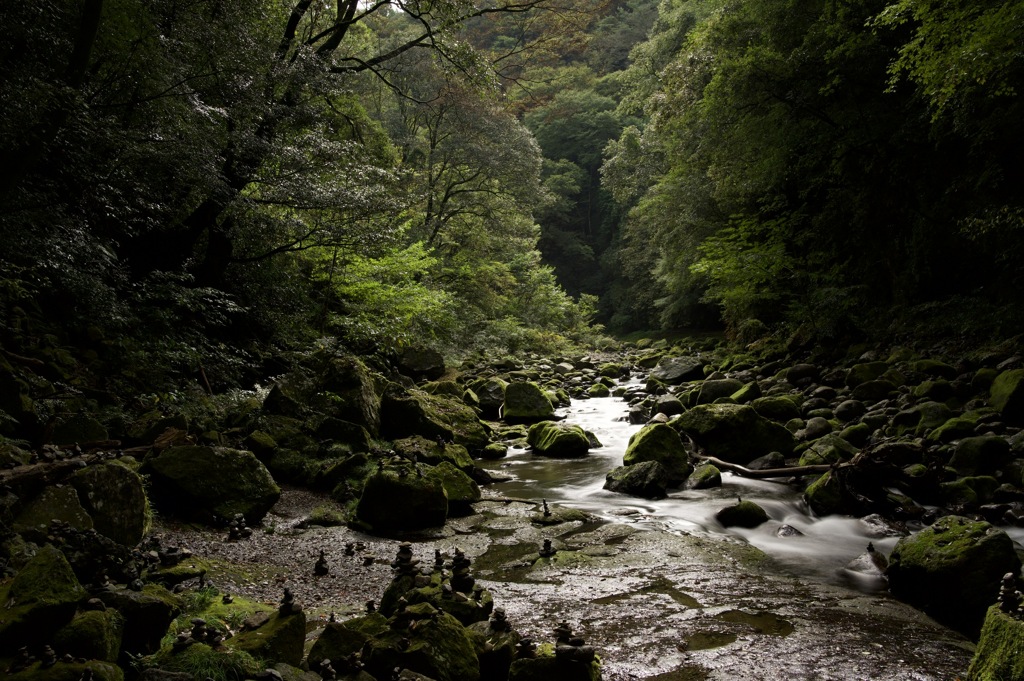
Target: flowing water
(822, 549)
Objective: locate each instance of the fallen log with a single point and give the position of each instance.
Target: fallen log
(787, 472)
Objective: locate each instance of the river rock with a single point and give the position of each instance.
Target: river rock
(405, 413)
(460, 489)
(952, 570)
(433, 452)
(864, 372)
(665, 404)
(423, 501)
(778, 408)
(1007, 395)
(114, 497)
(675, 370)
(742, 514)
(525, 402)
(420, 362)
(558, 440)
(998, 655)
(660, 442)
(711, 390)
(704, 476)
(490, 393)
(338, 640)
(59, 503)
(982, 454)
(335, 385)
(733, 432)
(921, 418)
(211, 482)
(438, 646)
(280, 639)
(647, 479)
(41, 599)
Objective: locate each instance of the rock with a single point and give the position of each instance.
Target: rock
(647, 479)
(490, 393)
(147, 615)
(665, 404)
(733, 432)
(335, 385)
(525, 402)
(421, 363)
(55, 503)
(281, 639)
(114, 497)
(414, 412)
(813, 429)
(958, 426)
(862, 373)
(952, 570)
(70, 671)
(424, 502)
(850, 410)
(1007, 395)
(871, 562)
(338, 640)
(558, 440)
(827, 450)
(211, 482)
(460, 489)
(660, 442)
(599, 390)
(921, 418)
(705, 476)
(742, 514)
(767, 462)
(354, 436)
(433, 452)
(92, 634)
(438, 647)
(78, 429)
(873, 391)
(998, 655)
(826, 495)
(801, 374)
(711, 390)
(544, 668)
(494, 451)
(748, 393)
(776, 407)
(676, 370)
(982, 454)
(41, 599)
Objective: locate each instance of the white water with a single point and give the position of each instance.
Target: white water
(823, 551)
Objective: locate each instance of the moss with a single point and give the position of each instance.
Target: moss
(41, 598)
(1000, 652)
(115, 498)
(558, 440)
(281, 639)
(659, 442)
(743, 514)
(525, 402)
(63, 671)
(1007, 395)
(203, 662)
(438, 647)
(425, 503)
(338, 640)
(93, 635)
(54, 503)
(733, 432)
(825, 495)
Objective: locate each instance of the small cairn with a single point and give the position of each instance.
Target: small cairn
(461, 581)
(526, 649)
(327, 672)
(498, 623)
(321, 568)
(547, 511)
(1010, 597)
(569, 647)
(21, 661)
(48, 658)
(404, 563)
(438, 560)
(237, 528)
(288, 605)
(547, 550)
(199, 630)
(350, 549)
(181, 642)
(371, 607)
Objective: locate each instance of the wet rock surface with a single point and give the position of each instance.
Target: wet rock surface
(653, 604)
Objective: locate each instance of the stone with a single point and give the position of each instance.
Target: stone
(490, 394)
(92, 634)
(998, 655)
(748, 393)
(211, 483)
(850, 410)
(525, 402)
(338, 640)
(281, 639)
(405, 413)
(599, 390)
(826, 496)
(711, 390)
(742, 514)
(921, 418)
(704, 476)
(558, 440)
(778, 408)
(984, 454)
(862, 373)
(814, 428)
(420, 362)
(952, 570)
(647, 479)
(438, 646)
(676, 370)
(433, 452)
(90, 670)
(147, 615)
(660, 442)
(424, 502)
(460, 489)
(874, 391)
(53, 504)
(113, 495)
(733, 432)
(40, 599)
(670, 405)
(1007, 395)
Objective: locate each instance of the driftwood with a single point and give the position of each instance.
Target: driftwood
(788, 472)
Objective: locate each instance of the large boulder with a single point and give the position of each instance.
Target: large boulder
(115, 499)
(437, 646)
(558, 440)
(713, 389)
(984, 454)
(1007, 395)
(490, 394)
(460, 489)
(421, 363)
(742, 514)
(733, 432)
(659, 442)
(280, 639)
(147, 615)
(433, 452)
(211, 483)
(41, 599)
(397, 498)
(92, 635)
(675, 370)
(59, 503)
(647, 479)
(336, 385)
(338, 640)
(415, 412)
(525, 402)
(952, 570)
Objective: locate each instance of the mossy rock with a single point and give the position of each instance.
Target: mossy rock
(558, 440)
(494, 451)
(525, 402)
(1007, 395)
(420, 362)
(828, 450)
(495, 649)
(952, 570)
(981, 454)
(424, 502)
(711, 390)
(147, 615)
(857, 434)
(70, 671)
(171, 575)
(826, 495)
(958, 426)
(599, 390)
(647, 480)
(1000, 651)
(939, 390)
(733, 432)
(414, 412)
(349, 393)
(439, 647)
(921, 418)
(281, 639)
(874, 391)
(338, 640)
(201, 661)
(864, 372)
(560, 514)
(490, 393)
(676, 370)
(53, 503)
(660, 442)
(41, 599)
(778, 408)
(92, 634)
(355, 436)
(743, 514)
(748, 393)
(79, 429)
(459, 487)
(114, 496)
(433, 452)
(704, 476)
(211, 482)
(546, 667)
